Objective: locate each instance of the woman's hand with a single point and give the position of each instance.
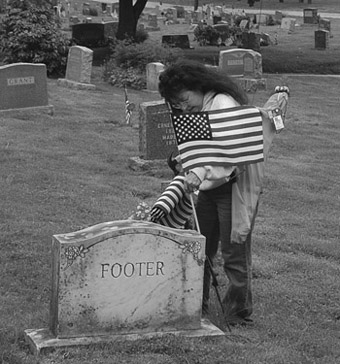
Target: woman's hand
(191, 182)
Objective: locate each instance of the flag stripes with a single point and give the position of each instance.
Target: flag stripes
(127, 107)
(229, 137)
(175, 203)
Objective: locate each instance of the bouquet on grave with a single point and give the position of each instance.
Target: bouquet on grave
(142, 212)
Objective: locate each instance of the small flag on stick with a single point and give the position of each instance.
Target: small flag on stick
(128, 107)
(222, 137)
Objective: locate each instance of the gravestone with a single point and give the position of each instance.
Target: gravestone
(180, 11)
(325, 24)
(153, 70)
(152, 21)
(321, 39)
(310, 16)
(156, 135)
(176, 40)
(93, 35)
(278, 17)
(246, 66)
(288, 24)
(261, 19)
(171, 15)
(244, 24)
(233, 63)
(78, 69)
(124, 280)
(23, 86)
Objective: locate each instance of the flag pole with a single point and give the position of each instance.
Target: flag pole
(213, 274)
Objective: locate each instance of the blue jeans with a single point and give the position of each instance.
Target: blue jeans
(214, 218)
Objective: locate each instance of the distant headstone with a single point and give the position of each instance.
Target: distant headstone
(241, 62)
(78, 69)
(79, 64)
(153, 70)
(321, 39)
(176, 40)
(246, 66)
(156, 135)
(93, 35)
(232, 62)
(171, 14)
(152, 21)
(124, 280)
(261, 19)
(23, 85)
(278, 16)
(288, 24)
(325, 24)
(244, 23)
(310, 16)
(180, 11)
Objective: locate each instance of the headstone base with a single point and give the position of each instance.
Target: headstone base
(48, 108)
(252, 84)
(75, 85)
(42, 339)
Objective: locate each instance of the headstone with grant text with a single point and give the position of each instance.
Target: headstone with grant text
(156, 135)
(124, 280)
(22, 86)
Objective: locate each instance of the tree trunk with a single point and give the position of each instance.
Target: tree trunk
(128, 18)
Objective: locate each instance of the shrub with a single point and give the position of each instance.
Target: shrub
(93, 11)
(31, 34)
(141, 36)
(206, 34)
(129, 60)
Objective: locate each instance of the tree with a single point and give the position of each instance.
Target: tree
(29, 33)
(129, 14)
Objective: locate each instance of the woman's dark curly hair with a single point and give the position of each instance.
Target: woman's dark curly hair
(194, 76)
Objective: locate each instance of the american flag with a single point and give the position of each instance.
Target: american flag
(128, 108)
(222, 137)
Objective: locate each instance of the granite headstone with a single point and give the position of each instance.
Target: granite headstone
(23, 85)
(119, 279)
(156, 135)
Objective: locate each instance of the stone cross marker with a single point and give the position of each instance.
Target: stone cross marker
(156, 135)
(124, 278)
(23, 85)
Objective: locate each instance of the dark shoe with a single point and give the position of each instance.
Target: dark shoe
(240, 321)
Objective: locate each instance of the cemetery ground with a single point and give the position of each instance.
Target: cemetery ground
(65, 172)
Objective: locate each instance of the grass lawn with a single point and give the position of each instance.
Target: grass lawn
(62, 173)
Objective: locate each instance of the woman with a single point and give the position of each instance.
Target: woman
(192, 87)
